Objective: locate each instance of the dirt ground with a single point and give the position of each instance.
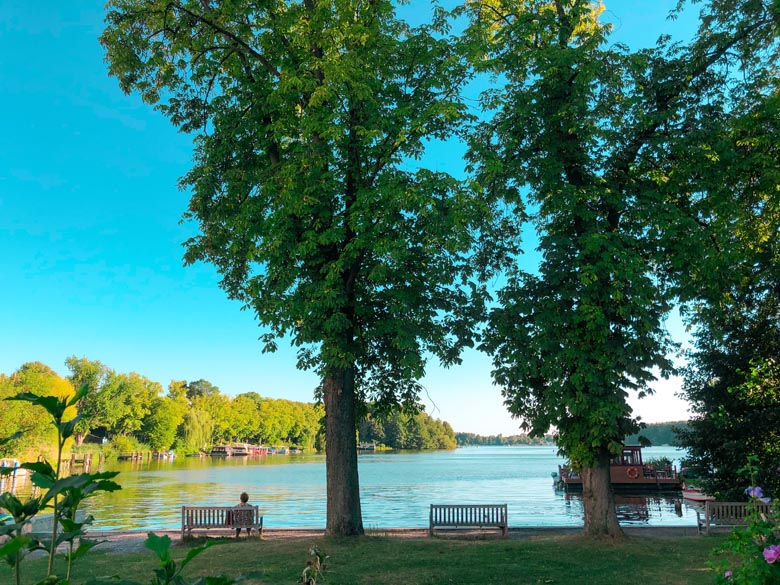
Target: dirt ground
(118, 542)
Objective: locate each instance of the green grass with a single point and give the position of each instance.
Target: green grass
(376, 560)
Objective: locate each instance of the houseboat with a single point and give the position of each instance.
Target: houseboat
(240, 450)
(627, 473)
(222, 451)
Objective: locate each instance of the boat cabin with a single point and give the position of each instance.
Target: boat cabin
(632, 455)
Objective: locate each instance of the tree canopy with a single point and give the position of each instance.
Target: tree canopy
(306, 117)
(613, 148)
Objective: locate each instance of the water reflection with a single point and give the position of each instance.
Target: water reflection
(396, 489)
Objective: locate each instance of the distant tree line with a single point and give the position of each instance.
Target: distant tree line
(658, 434)
(129, 411)
(402, 430)
(469, 439)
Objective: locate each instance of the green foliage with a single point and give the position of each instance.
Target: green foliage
(469, 439)
(402, 430)
(305, 123)
(732, 385)
(160, 425)
(22, 416)
(631, 171)
(753, 551)
(123, 444)
(169, 572)
(658, 433)
(116, 402)
(570, 343)
(63, 495)
(310, 114)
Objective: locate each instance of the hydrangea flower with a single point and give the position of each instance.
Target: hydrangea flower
(772, 553)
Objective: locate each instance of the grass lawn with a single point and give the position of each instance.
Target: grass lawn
(559, 559)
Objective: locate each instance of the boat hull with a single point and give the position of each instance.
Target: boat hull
(696, 496)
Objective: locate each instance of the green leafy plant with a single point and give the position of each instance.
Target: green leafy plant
(168, 571)
(752, 551)
(63, 495)
(659, 462)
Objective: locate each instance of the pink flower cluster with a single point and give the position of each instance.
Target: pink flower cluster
(772, 553)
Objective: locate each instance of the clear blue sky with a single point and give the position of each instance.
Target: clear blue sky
(90, 240)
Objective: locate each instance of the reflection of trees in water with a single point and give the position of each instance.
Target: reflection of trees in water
(153, 491)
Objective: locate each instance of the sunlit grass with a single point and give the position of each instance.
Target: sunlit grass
(562, 559)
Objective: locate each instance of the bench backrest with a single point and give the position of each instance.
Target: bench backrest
(469, 514)
(733, 511)
(204, 516)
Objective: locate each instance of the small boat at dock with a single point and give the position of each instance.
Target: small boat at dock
(694, 494)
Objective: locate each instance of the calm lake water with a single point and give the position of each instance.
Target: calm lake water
(396, 489)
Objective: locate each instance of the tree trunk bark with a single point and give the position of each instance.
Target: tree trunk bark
(598, 500)
(343, 489)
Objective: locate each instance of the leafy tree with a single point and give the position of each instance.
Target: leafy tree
(36, 379)
(658, 434)
(220, 412)
(244, 418)
(196, 431)
(95, 405)
(160, 425)
(306, 116)
(177, 390)
(612, 147)
(201, 388)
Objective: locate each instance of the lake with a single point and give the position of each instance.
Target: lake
(396, 489)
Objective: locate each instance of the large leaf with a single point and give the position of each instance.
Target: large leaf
(160, 545)
(85, 545)
(53, 405)
(42, 467)
(82, 392)
(14, 545)
(13, 437)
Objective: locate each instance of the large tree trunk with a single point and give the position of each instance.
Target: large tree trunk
(598, 501)
(343, 489)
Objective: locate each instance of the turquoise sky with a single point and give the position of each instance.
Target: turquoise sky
(90, 240)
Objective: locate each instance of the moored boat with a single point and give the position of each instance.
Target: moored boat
(695, 494)
(222, 451)
(627, 472)
(240, 450)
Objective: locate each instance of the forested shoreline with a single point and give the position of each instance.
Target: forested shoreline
(129, 412)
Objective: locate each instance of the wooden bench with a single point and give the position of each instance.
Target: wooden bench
(726, 515)
(469, 516)
(221, 517)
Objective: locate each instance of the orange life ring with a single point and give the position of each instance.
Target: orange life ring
(632, 472)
